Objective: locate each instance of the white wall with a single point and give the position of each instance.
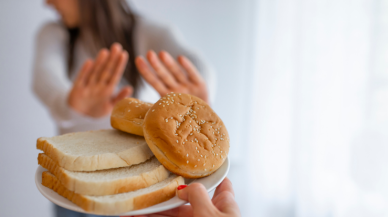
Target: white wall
(218, 28)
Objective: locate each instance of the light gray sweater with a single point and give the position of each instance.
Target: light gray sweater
(52, 85)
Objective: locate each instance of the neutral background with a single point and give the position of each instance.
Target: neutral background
(221, 34)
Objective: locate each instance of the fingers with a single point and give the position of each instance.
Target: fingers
(199, 199)
(161, 70)
(149, 76)
(173, 67)
(113, 60)
(224, 200)
(125, 92)
(226, 185)
(119, 69)
(192, 72)
(101, 59)
(83, 74)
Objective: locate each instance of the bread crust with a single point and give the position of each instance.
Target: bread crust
(92, 205)
(99, 188)
(186, 135)
(134, 155)
(128, 115)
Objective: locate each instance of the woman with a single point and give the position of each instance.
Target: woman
(79, 80)
(88, 27)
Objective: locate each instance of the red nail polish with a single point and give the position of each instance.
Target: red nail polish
(180, 187)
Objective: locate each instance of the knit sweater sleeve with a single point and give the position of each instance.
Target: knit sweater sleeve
(51, 83)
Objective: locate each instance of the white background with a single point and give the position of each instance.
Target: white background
(220, 29)
(302, 88)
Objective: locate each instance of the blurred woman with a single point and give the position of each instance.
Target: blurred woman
(94, 58)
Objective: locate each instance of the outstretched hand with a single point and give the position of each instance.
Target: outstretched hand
(222, 204)
(92, 92)
(171, 75)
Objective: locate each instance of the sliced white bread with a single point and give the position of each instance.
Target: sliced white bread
(95, 150)
(107, 182)
(118, 203)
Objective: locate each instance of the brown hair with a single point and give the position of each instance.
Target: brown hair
(104, 22)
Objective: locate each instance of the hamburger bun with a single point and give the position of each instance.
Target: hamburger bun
(186, 135)
(128, 115)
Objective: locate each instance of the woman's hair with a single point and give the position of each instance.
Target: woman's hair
(102, 23)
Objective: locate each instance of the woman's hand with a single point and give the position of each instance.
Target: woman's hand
(92, 92)
(222, 204)
(179, 76)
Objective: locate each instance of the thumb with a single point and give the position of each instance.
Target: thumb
(125, 92)
(199, 199)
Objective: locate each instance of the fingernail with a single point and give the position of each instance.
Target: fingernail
(180, 187)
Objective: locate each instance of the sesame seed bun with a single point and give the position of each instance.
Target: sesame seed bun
(186, 135)
(128, 115)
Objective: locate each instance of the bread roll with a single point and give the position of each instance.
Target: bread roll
(186, 135)
(128, 115)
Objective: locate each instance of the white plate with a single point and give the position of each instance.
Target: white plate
(210, 183)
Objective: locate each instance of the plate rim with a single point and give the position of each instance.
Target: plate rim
(45, 192)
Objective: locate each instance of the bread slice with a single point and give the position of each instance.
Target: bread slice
(118, 203)
(107, 182)
(95, 150)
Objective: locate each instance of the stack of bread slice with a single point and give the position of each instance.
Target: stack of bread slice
(105, 172)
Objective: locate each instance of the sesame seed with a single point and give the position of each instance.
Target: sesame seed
(187, 162)
(201, 155)
(179, 94)
(163, 105)
(177, 141)
(198, 159)
(160, 103)
(187, 155)
(171, 118)
(183, 143)
(166, 119)
(203, 164)
(221, 151)
(153, 110)
(195, 166)
(195, 147)
(205, 169)
(129, 110)
(213, 165)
